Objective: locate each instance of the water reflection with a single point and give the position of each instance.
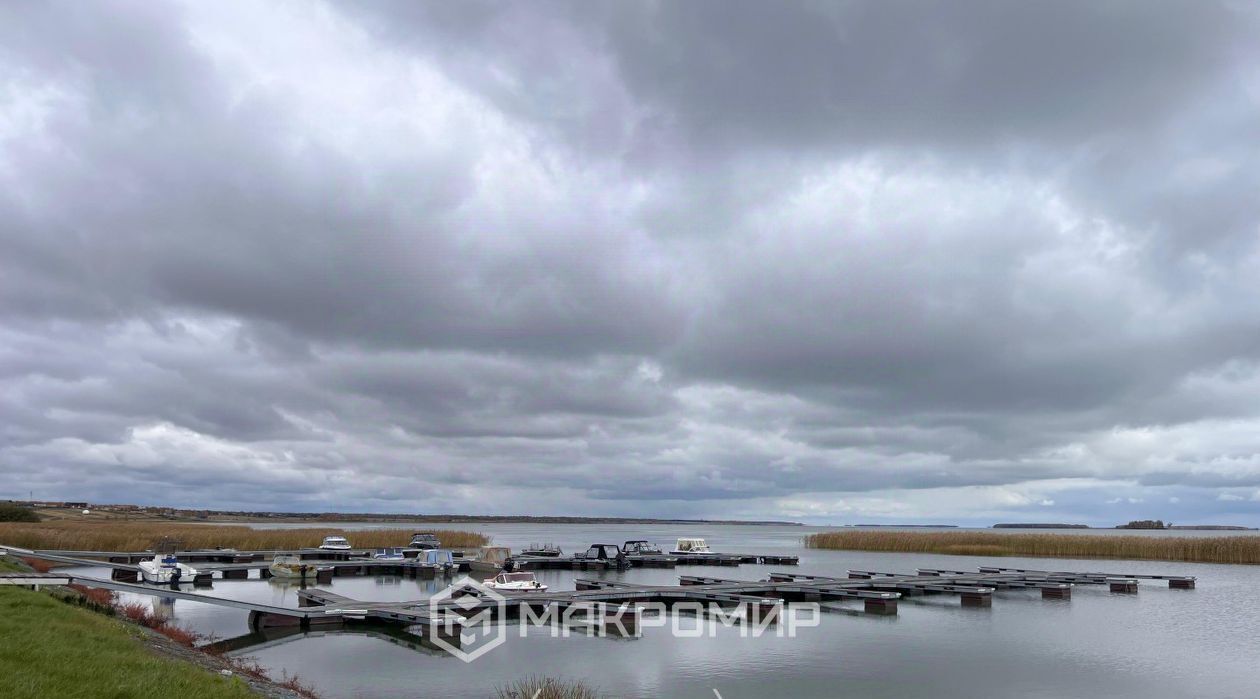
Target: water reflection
(264, 639)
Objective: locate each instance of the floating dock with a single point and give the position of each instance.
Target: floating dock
(648, 561)
(234, 565)
(615, 606)
(228, 564)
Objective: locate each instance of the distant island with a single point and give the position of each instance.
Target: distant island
(1039, 525)
(1145, 524)
(1160, 524)
(1214, 527)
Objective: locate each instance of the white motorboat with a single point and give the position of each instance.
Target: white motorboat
(290, 566)
(691, 547)
(164, 569)
(335, 543)
(515, 582)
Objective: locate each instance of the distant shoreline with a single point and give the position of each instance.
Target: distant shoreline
(137, 513)
(496, 519)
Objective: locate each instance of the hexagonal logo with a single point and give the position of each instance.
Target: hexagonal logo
(469, 619)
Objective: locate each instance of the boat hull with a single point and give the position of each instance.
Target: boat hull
(511, 588)
(161, 575)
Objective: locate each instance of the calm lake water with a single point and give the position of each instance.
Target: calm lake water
(1158, 643)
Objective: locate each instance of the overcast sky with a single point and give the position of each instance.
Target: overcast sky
(831, 262)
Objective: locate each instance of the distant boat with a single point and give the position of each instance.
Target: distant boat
(515, 582)
(290, 566)
(393, 553)
(691, 547)
(425, 541)
(164, 569)
(641, 547)
(335, 543)
(544, 550)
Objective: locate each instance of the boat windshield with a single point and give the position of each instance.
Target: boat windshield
(518, 577)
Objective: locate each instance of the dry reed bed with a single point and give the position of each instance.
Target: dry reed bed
(124, 536)
(1223, 549)
(547, 688)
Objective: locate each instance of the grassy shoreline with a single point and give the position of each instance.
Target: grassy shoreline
(52, 649)
(1243, 550)
(139, 536)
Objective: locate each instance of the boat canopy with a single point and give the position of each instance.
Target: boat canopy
(438, 556)
(493, 554)
(603, 551)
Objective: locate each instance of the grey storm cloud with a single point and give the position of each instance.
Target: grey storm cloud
(821, 261)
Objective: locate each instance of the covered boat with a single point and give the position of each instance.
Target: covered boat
(641, 547)
(392, 553)
(443, 559)
(692, 547)
(290, 566)
(491, 559)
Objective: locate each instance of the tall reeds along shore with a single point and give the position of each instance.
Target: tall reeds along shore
(1223, 549)
(140, 536)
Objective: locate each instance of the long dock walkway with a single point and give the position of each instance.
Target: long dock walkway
(576, 562)
(609, 604)
(124, 566)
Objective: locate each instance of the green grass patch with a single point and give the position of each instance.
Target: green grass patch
(52, 649)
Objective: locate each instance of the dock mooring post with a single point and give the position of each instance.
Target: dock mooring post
(1124, 585)
(621, 620)
(881, 605)
(1060, 592)
(767, 610)
(977, 599)
(266, 620)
